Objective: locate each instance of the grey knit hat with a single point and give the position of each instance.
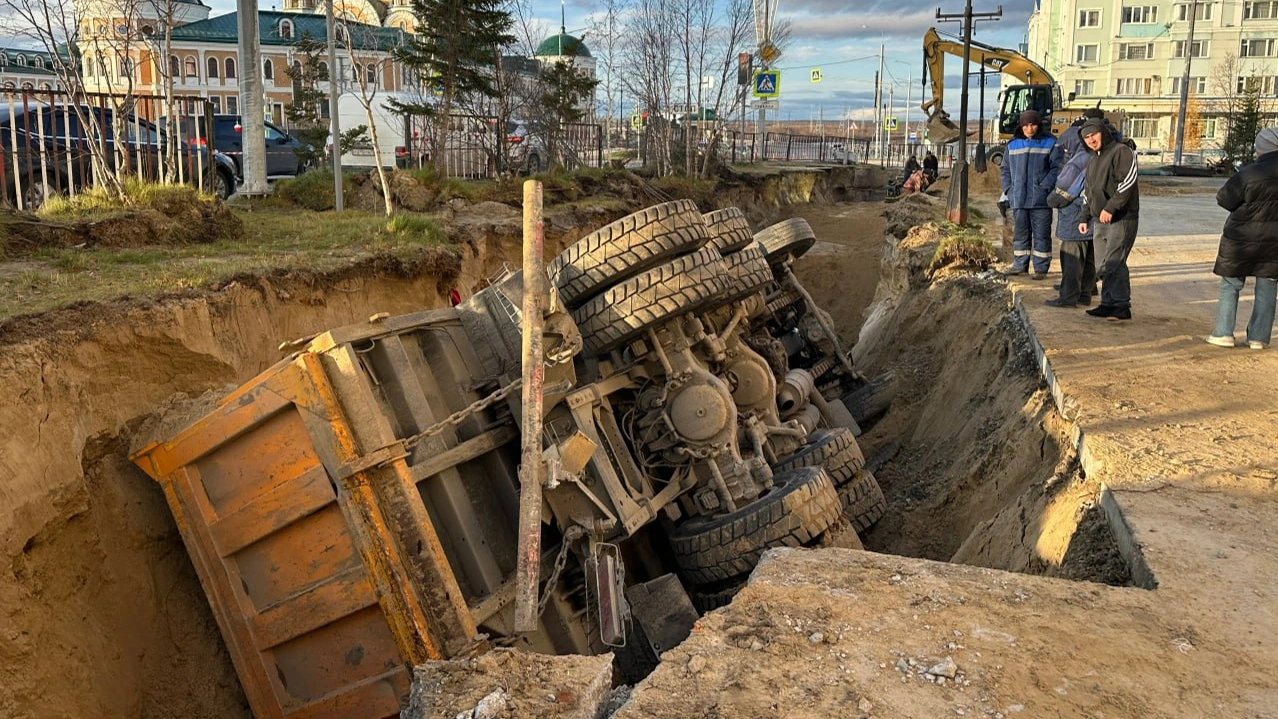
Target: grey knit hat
(1267, 140)
(1091, 127)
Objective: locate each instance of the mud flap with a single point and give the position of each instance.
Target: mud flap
(606, 571)
(663, 617)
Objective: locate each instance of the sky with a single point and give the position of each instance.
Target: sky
(842, 38)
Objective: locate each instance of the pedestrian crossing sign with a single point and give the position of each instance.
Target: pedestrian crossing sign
(889, 124)
(767, 83)
(816, 75)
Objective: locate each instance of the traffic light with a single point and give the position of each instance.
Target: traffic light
(743, 68)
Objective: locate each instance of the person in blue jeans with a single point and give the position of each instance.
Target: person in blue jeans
(1249, 245)
(1029, 174)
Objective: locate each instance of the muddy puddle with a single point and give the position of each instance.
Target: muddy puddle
(101, 612)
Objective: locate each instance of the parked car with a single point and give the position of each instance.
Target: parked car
(527, 148)
(285, 154)
(45, 150)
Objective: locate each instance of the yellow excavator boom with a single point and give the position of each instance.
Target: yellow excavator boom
(935, 48)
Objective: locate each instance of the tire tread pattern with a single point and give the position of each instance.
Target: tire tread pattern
(863, 500)
(622, 249)
(729, 229)
(673, 289)
(834, 449)
(792, 237)
(802, 505)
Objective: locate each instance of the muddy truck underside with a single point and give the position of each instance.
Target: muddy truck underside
(353, 510)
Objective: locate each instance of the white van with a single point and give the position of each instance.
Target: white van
(402, 140)
(394, 134)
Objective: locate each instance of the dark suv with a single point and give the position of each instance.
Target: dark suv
(283, 151)
(45, 150)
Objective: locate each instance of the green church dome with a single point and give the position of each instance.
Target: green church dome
(562, 44)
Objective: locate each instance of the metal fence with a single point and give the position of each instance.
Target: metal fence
(52, 143)
(789, 147)
(479, 147)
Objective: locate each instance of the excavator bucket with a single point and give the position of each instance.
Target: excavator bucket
(941, 129)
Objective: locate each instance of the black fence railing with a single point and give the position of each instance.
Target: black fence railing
(473, 148)
(52, 144)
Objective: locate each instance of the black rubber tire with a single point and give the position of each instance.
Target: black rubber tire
(708, 598)
(873, 399)
(729, 230)
(834, 449)
(748, 272)
(801, 504)
(221, 184)
(788, 238)
(863, 500)
(676, 288)
(625, 248)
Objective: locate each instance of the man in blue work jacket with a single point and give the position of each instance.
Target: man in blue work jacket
(1029, 173)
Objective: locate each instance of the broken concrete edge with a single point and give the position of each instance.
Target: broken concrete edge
(1068, 408)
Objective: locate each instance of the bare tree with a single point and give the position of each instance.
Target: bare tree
(649, 69)
(1241, 89)
(367, 63)
(606, 25)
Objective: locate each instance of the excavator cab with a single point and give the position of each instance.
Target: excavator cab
(1019, 98)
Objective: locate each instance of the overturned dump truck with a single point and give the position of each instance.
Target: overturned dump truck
(352, 511)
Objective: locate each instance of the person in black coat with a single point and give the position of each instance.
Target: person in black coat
(931, 166)
(1249, 245)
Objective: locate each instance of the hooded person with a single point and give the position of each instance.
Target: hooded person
(1249, 245)
(1077, 258)
(1111, 210)
(1028, 174)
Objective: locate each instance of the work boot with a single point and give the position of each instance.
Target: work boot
(1058, 302)
(1119, 313)
(1039, 276)
(1100, 311)
(1084, 300)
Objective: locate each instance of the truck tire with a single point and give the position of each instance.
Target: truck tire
(729, 230)
(834, 449)
(748, 272)
(995, 157)
(801, 504)
(790, 238)
(709, 597)
(863, 500)
(870, 401)
(676, 288)
(625, 248)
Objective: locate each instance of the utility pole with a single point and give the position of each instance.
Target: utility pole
(1184, 84)
(878, 108)
(980, 126)
(334, 125)
(252, 103)
(956, 207)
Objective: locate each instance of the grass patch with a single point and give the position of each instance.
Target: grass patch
(312, 190)
(961, 249)
(678, 187)
(168, 200)
(273, 239)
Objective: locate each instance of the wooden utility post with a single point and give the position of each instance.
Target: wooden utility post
(1184, 85)
(956, 207)
(531, 471)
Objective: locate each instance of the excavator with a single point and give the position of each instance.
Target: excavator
(1040, 91)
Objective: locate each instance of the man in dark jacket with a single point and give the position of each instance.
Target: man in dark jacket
(931, 166)
(1249, 245)
(1078, 261)
(1029, 173)
(1111, 196)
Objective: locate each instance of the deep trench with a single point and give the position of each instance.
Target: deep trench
(104, 615)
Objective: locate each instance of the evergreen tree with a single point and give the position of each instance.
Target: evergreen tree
(1243, 123)
(454, 54)
(562, 100)
(306, 112)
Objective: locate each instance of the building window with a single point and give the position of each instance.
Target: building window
(323, 69)
(126, 68)
(46, 86)
(22, 60)
(1201, 48)
(1134, 86)
(4, 58)
(1264, 10)
(192, 70)
(37, 62)
(268, 69)
(1083, 88)
(370, 74)
(230, 68)
(89, 67)
(1140, 14)
(1256, 48)
(1197, 85)
(1086, 54)
(1136, 51)
(216, 102)
(1208, 127)
(339, 32)
(1142, 127)
(212, 67)
(1255, 83)
(232, 104)
(286, 29)
(1203, 13)
(175, 66)
(1089, 18)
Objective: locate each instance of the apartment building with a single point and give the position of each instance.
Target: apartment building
(1131, 54)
